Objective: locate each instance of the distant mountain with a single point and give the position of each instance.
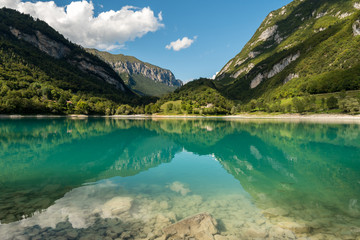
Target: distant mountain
(42, 72)
(307, 46)
(142, 77)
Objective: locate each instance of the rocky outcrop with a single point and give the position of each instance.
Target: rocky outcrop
(268, 33)
(155, 73)
(357, 6)
(55, 49)
(224, 70)
(256, 81)
(243, 70)
(319, 15)
(271, 33)
(277, 68)
(86, 66)
(356, 28)
(240, 61)
(343, 15)
(253, 54)
(290, 77)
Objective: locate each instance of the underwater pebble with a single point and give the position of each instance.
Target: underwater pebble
(71, 234)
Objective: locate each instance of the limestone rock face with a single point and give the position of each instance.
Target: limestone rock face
(290, 77)
(257, 80)
(277, 68)
(243, 70)
(224, 70)
(154, 73)
(201, 227)
(356, 28)
(268, 33)
(42, 42)
(87, 66)
(58, 50)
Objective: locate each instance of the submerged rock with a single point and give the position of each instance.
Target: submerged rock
(201, 227)
(280, 233)
(295, 227)
(179, 188)
(116, 207)
(274, 212)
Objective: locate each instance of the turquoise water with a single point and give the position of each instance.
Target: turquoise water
(63, 178)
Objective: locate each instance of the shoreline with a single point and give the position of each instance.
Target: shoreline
(312, 117)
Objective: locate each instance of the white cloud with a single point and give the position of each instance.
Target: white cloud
(76, 21)
(214, 76)
(181, 43)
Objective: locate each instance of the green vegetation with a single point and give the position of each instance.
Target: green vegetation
(340, 102)
(326, 73)
(203, 98)
(33, 82)
(197, 97)
(146, 86)
(328, 61)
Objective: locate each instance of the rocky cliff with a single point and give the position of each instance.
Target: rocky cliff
(131, 68)
(60, 50)
(155, 73)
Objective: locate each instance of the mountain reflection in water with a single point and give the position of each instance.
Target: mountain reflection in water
(302, 177)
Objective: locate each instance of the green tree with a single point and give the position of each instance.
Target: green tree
(332, 102)
(233, 110)
(169, 107)
(124, 110)
(342, 94)
(299, 105)
(323, 102)
(82, 107)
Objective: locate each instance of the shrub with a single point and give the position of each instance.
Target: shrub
(332, 102)
(299, 105)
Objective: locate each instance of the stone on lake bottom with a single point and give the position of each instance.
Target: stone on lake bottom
(255, 232)
(280, 233)
(201, 227)
(274, 212)
(116, 206)
(71, 234)
(295, 227)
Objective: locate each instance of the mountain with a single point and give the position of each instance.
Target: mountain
(307, 46)
(303, 58)
(42, 72)
(141, 77)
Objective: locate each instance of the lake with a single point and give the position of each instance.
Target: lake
(129, 179)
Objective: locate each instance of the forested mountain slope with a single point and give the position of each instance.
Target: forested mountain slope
(42, 72)
(308, 46)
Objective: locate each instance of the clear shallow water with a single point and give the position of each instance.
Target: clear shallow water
(62, 178)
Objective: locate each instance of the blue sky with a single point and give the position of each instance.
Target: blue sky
(221, 29)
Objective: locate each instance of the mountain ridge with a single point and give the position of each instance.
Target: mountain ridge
(136, 73)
